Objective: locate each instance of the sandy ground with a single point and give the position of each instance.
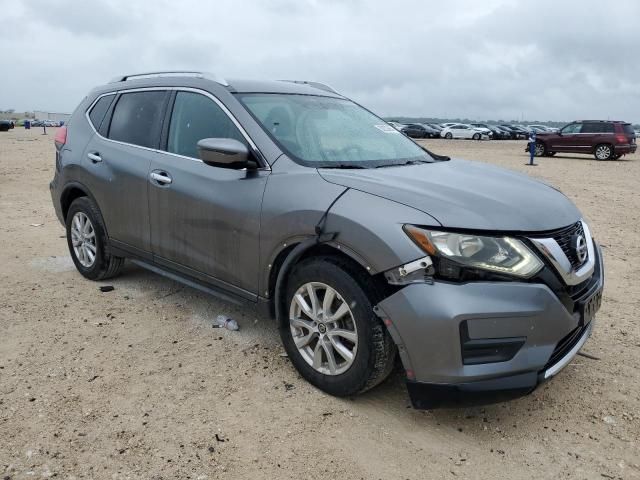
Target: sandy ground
(135, 383)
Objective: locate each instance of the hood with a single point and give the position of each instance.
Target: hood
(466, 195)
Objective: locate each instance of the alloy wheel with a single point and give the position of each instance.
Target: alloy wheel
(83, 239)
(323, 328)
(603, 152)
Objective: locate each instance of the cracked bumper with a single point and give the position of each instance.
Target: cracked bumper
(425, 322)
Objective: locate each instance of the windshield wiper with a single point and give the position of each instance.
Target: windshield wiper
(409, 162)
(345, 166)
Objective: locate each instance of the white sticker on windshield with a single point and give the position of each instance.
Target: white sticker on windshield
(386, 128)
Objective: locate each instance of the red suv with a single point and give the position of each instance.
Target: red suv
(603, 139)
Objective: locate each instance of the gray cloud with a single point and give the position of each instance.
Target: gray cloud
(491, 59)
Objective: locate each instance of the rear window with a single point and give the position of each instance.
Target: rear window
(137, 118)
(97, 113)
(628, 129)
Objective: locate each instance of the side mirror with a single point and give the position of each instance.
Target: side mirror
(224, 152)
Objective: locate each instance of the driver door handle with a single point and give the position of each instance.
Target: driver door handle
(161, 177)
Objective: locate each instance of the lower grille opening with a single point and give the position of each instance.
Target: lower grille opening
(487, 350)
(565, 345)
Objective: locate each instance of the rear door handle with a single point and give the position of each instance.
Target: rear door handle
(94, 157)
(161, 177)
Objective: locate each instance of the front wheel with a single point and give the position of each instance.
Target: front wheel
(603, 152)
(332, 336)
(88, 242)
(448, 136)
(539, 149)
(476, 136)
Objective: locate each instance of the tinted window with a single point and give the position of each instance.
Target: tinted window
(628, 129)
(196, 117)
(137, 117)
(597, 127)
(96, 115)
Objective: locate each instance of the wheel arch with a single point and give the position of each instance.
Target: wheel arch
(293, 253)
(72, 191)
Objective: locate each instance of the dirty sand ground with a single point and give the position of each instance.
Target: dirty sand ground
(136, 384)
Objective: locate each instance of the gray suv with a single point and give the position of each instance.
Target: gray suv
(365, 247)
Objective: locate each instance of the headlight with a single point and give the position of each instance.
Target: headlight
(502, 255)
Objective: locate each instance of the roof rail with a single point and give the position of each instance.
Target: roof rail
(318, 85)
(172, 73)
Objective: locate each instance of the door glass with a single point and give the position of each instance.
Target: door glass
(196, 117)
(99, 110)
(573, 128)
(137, 118)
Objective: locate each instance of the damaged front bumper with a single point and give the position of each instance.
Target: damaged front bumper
(483, 342)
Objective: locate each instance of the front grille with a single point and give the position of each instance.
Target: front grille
(565, 345)
(563, 237)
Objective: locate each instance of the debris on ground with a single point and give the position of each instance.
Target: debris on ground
(222, 321)
(588, 355)
(107, 288)
(37, 224)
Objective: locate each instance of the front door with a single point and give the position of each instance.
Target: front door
(569, 140)
(205, 221)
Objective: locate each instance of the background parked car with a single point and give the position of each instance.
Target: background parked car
(418, 130)
(542, 128)
(518, 131)
(496, 132)
(463, 130)
(436, 127)
(5, 125)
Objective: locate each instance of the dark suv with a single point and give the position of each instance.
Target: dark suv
(603, 139)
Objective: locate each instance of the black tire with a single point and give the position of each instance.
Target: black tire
(105, 265)
(477, 136)
(376, 351)
(603, 152)
(540, 149)
(448, 136)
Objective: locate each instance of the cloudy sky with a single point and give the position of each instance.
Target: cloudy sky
(507, 59)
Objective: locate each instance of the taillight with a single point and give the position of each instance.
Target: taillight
(61, 137)
(621, 138)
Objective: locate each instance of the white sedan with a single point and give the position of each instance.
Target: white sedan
(462, 130)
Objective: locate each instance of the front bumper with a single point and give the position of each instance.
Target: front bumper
(425, 321)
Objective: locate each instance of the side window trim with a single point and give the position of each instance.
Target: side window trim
(166, 121)
(172, 90)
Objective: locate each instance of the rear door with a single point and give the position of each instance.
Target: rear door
(205, 220)
(595, 133)
(119, 157)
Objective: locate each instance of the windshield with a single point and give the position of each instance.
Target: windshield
(331, 132)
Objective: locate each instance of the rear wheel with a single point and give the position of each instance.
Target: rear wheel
(448, 136)
(332, 336)
(88, 242)
(603, 152)
(539, 149)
